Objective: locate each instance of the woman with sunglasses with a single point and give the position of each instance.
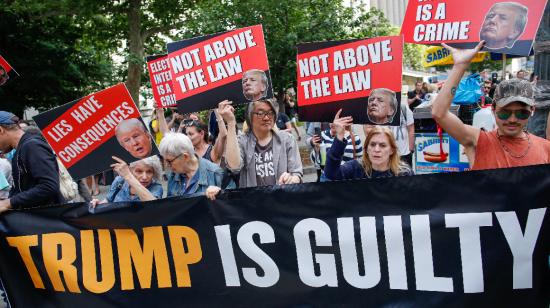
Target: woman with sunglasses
(509, 145)
(380, 157)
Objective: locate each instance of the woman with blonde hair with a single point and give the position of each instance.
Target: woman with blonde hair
(380, 156)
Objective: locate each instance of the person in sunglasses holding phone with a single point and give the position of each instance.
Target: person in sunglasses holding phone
(509, 145)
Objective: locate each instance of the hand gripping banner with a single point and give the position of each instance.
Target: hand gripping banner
(472, 239)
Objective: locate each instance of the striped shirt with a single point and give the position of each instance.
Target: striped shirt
(327, 139)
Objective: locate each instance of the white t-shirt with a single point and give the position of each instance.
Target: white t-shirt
(401, 133)
(484, 119)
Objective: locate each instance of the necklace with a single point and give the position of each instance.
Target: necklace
(507, 150)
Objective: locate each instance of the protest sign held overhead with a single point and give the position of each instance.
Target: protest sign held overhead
(358, 76)
(87, 132)
(229, 65)
(161, 81)
(7, 73)
(506, 26)
(473, 239)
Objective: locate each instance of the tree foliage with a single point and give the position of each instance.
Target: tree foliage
(55, 67)
(74, 41)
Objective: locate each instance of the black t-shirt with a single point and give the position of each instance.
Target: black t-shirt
(265, 171)
(412, 94)
(282, 119)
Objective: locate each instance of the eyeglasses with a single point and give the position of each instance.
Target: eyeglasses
(521, 114)
(170, 161)
(262, 114)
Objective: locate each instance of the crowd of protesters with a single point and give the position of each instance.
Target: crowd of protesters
(198, 158)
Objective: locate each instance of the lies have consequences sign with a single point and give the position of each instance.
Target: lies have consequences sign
(230, 65)
(442, 240)
(506, 26)
(86, 133)
(342, 74)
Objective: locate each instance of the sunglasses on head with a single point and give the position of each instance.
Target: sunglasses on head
(521, 114)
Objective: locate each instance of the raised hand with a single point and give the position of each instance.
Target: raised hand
(463, 56)
(340, 123)
(226, 111)
(121, 167)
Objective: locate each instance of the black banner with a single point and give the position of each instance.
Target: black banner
(477, 238)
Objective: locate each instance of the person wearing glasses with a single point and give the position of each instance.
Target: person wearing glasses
(198, 133)
(264, 156)
(189, 174)
(509, 145)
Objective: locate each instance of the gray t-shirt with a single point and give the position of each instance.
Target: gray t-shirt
(265, 172)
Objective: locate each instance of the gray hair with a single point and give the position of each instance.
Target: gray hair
(174, 144)
(393, 100)
(263, 77)
(152, 162)
(128, 125)
(520, 21)
(250, 109)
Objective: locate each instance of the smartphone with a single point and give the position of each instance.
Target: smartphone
(318, 131)
(187, 122)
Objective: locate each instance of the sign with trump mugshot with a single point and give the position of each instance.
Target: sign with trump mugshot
(230, 65)
(87, 132)
(161, 81)
(7, 73)
(363, 77)
(507, 27)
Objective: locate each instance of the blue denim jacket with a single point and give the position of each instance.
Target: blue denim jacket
(124, 192)
(208, 174)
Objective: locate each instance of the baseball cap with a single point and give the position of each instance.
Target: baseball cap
(6, 118)
(514, 90)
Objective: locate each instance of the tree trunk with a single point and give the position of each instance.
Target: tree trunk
(135, 50)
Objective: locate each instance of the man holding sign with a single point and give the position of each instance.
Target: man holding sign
(507, 146)
(503, 25)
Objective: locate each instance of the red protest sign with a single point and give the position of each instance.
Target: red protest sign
(334, 75)
(506, 26)
(161, 81)
(85, 133)
(206, 70)
(7, 73)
